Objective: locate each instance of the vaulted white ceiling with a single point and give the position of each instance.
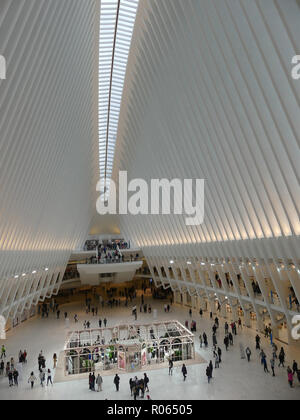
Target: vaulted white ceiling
(209, 95)
(48, 142)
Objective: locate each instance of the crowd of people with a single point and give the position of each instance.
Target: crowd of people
(245, 353)
(94, 244)
(140, 387)
(10, 369)
(13, 370)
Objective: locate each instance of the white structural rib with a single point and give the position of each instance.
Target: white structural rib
(48, 143)
(209, 95)
(117, 18)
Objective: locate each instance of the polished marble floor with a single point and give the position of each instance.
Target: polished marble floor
(236, 378)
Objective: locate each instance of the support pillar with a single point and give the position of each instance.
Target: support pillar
(247, 319)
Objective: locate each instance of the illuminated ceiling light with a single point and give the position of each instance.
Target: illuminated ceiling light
(34, 272)
(189, 262)
(16, 277)
(171, 262)
(46, 269)
(203, 263)
(23, 275)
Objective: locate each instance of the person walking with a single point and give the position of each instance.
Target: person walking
(49, 377)
(90, 382)
(171, 367)
(211, 368)
(16, 376)
(3, 352)
(272, 363)
(281, 357)
(205, 340)
(117, 382)
(142, 388)
(257, 341)
(290, 376)
(135, 390)
(10, 379)
(248, 353)
(295, 367)
(131, 385)
(54, 361)
(262, 356)
(42, 377)
(226, 342)
(220, 355)
(208, 374)
(146, 382)
(217, 361)
(7, 369)
(99, 382)
(105, 322)
(266, 370)
(184, 372)
(201, 341)
(32, 379)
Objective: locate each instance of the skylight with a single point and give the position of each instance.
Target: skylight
(116, 26)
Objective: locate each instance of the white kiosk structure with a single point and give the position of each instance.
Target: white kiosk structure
(127, 347)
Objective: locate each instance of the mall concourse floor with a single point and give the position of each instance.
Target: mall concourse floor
(235, 379)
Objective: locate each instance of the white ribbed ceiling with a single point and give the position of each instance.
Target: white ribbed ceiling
(209, 95)
(48, 142)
